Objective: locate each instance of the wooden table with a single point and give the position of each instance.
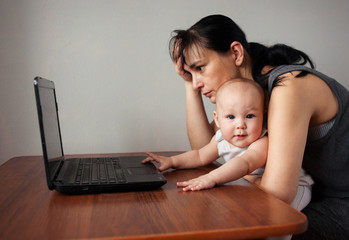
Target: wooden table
(239, 210)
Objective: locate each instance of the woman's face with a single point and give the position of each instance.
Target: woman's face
(210, 70)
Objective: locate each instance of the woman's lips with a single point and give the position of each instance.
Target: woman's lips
(207, 94)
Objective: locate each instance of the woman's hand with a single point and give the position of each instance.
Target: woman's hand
(179, 64)
(179, 67)
(165, 162)
(203, 182)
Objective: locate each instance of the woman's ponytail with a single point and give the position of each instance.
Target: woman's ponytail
(276, 55)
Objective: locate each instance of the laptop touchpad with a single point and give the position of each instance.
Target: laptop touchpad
(140, 171)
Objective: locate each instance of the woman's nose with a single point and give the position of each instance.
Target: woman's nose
(197, 84)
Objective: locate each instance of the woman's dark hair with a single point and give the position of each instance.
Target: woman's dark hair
(276, 55)
(217, 32)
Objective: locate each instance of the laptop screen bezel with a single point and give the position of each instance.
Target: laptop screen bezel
(52, 165)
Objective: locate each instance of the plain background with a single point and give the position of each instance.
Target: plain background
(116, 85)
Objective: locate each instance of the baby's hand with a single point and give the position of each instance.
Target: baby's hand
(165, 162)
(202, 182)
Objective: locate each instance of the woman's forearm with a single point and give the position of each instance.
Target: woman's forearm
(199, 129)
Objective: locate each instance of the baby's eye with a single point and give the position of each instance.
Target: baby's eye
(231, 116)
(250, 116)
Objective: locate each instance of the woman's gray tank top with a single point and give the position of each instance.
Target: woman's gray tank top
(326, 156)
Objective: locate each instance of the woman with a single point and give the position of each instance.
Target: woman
(308, 115)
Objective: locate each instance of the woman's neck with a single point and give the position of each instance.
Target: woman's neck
(246, 68)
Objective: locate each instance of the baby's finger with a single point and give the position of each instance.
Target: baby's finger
(187, 189)
(192, 187)
(161, 167)
(182, 184)
(147, 160)
(152, 155)
(186, 185)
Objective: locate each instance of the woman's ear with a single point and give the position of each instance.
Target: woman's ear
(237, 51)
(215, 115)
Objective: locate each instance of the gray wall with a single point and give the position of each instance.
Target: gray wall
(117, 89)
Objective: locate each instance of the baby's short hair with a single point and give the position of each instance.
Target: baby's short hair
(244, 84)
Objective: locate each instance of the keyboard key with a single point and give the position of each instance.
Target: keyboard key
(116, 162)
(94, 178)
(102, 173)
(86, 174)
(120, 175)
(111, 174)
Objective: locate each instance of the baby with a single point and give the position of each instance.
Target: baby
(240, 141)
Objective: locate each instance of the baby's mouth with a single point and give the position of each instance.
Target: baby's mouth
(239, 136)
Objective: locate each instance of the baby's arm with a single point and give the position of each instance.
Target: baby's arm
(254, 157)
(191, 159)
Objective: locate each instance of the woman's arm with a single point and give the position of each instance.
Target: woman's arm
(199, 130)
(291, 107)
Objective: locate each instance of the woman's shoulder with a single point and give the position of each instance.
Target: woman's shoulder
(310, 92)
(291, 83)
(283, 73)
(296, 76)
(307, 87)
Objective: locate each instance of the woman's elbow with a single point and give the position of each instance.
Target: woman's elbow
(286, 197)
(283, 193)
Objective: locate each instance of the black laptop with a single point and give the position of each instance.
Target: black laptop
(85, 175)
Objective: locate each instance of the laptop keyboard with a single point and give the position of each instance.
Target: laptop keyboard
(99, 170)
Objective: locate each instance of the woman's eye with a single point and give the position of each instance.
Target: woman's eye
(231, 116)
(200, 68)
(250, 116)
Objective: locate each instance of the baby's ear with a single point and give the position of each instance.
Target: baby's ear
(215, 115)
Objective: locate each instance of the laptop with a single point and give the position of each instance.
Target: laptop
(85, 175)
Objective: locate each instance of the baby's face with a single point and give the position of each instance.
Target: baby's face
(240, 117)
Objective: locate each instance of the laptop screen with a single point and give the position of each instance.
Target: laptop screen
(49, 123)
